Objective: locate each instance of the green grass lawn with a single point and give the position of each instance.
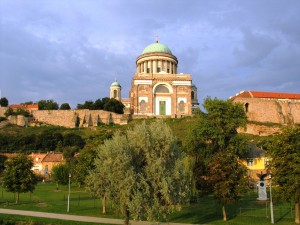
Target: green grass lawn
(46, 198)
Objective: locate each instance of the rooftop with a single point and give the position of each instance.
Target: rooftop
(157, 48)
(261, 94)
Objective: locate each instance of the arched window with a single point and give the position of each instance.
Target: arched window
(143, 106)
(162, 89)
(181, 106)
(246, 107)
(115, 93)
(193, 95)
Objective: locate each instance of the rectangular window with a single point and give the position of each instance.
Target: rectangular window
(158, 69)
(148, 70)
(250, 162)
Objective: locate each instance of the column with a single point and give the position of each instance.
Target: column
(174, 68)
(139, 68)
(154, 66)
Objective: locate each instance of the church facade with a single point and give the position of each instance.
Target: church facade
(156, 88)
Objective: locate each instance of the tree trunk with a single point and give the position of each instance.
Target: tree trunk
(126, 216)
(224, 213)
(104, 205)
(56, 185)
(18, 197)
(297, 219)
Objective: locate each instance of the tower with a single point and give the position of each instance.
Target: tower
(115, 90)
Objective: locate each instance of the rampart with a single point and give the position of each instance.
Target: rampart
(271, 110)
(78, 118)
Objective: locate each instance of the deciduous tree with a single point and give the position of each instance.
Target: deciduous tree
(47, 105)
(18, 176)
(215, 133)
(228, 178)
(60, 174)
(3, 102)
(142, 171)
(65, 106)
(285, 161)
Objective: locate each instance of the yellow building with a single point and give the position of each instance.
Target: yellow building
(256, 162)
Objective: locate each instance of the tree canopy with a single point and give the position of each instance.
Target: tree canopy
(214, 137)
(18, 176)
(47, 105)
(143, 171)
(108, 104)
(3, 102)
(285, 165)
(65, 106)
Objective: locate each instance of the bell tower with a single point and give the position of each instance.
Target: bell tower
(115, 90)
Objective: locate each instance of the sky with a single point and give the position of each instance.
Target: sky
(71, 51)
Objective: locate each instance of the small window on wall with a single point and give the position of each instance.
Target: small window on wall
(250, 162)
(193, 95)
(158, 69)
(247, 107)
(181, 106)
(143, 106)
(115, 93)
(148, 70)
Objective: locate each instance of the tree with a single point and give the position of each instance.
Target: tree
(71, 139)
(86, 105)
(47, 105)
(215, 132)
(60, 174)
(113, 105)
(65, 106)
(84, 164)
(3, 159)
(9, 112)
(142, 171)
(18, 176)
(228, 178)
(48, 140)
(285, 165)
(98, 104)
(3, 102)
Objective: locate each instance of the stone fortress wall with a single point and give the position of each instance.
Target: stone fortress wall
(69, 118)
(271, 110)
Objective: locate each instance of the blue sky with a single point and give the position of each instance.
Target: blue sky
(71, 51)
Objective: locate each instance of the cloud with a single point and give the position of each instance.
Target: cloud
(71, 51)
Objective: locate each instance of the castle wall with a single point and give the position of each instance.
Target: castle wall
(260, 130)
(271, 110)
(2, 111)
(78, 118)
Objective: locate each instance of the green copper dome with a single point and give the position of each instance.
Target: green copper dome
(157, 47)
(115, 84)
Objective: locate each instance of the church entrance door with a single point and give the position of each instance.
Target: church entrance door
(162, 107)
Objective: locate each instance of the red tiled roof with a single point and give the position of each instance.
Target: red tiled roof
(53, 157)
(37, 158)
(23, 106)
(261, 94)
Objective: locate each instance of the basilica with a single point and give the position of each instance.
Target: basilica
(157, 89)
